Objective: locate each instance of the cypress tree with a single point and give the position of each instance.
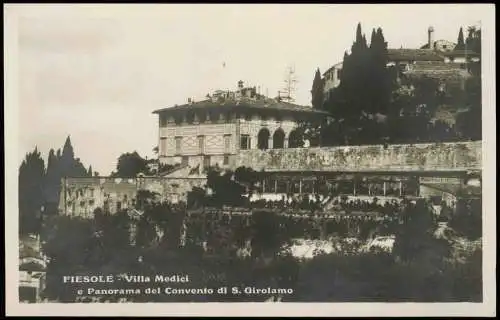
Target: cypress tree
(460, 42)
(31, 197)
(68, 149)
(359, 34)
(67, 158)
(52, 179)
(317, 91)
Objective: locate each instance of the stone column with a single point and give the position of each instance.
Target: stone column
(263, 185)
(270, 143)
(400, 188)
(285, 143)
(276, 186)
(385, 188)
(354, 189)
(300, 186)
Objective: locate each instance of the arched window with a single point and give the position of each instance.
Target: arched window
(190, 117)
(178, 118)
(295, 139)
(263, 139)
(202, 116)
(279, 139)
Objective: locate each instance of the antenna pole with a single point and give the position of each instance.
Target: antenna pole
(290, 82)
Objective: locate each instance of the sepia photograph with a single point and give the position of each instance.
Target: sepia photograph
(280, 154)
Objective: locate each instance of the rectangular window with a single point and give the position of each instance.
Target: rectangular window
(206, 161)
(185, 160)
(190, 117)
(178, 119)
(163, 120)
(118, 205)
(213, 116)
(338, 73)
(245, 142)
(227, 143)
(178, 145)
(226, 160)
(163, 146)
(201, 144)
(202, 117)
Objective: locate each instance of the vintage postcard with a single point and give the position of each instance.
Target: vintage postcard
(251, 159)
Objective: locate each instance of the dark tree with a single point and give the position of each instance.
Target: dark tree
(247, 177)
(317, 91)
(415, 237)
(473, 43)
(31, 192)
(52, 178)
(130, 165)
(460, 41)
(363, 97)
(225, 190)
(59, 165)
(469, 122)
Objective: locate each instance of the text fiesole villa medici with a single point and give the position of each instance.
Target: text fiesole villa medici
(163, 279)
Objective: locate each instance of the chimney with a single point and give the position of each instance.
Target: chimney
(430, 37)
(240, 84)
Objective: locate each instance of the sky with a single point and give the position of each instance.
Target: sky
(96, 72)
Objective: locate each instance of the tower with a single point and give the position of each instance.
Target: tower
(430, 37)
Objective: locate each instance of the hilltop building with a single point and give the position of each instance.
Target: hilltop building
(436, 59)
(213, 131)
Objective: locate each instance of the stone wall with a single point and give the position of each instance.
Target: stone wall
(462, 156)
(81, 196)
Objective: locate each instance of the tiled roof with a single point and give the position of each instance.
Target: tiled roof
(413, 54)
(262, 104)
(437, 70)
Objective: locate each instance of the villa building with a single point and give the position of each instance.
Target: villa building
(212, 132)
